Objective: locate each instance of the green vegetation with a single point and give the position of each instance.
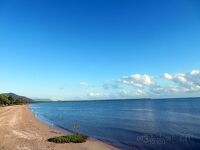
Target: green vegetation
(8, 100)
(73, 138)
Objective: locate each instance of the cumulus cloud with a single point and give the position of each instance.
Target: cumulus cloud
(137, 80)
(118, 94)
(143, 85)
(167, 90)
(167, 76)
(194, 77)
(195, 72)
(180, 84)
(178, 78)
(190, 80)
(94, 94)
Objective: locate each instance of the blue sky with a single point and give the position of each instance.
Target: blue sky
(96, 49)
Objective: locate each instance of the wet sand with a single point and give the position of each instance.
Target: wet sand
(20, 130)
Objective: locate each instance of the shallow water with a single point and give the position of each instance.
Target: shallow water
(167, 124)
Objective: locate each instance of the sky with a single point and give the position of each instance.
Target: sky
(100, 49)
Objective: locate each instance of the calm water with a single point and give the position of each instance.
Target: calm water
(170, 124)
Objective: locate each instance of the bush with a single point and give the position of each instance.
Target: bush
(73, 138)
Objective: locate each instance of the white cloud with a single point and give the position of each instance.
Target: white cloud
(167, 76)
(181, 83)
(143, 85)
(118, 94)
(137, 80)
(94, 94)
(194, 77)
(167, 90)
(188, 79)
(179, 78)
(195, 72)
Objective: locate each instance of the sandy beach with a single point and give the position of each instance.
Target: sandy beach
(20, 130)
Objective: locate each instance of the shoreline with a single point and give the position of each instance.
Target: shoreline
(20, 129)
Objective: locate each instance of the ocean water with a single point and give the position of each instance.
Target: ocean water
(165, 124)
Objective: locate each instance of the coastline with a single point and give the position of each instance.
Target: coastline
(21, 130)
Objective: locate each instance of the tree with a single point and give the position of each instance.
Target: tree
(4, 99)
(11, 99)
(20, 101)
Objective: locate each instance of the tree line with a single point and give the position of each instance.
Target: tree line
(8, 100)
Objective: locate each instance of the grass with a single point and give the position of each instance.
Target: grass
(72, 138)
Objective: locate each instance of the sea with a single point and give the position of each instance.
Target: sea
(143, 124)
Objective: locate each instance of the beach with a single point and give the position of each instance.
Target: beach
(20, 130)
